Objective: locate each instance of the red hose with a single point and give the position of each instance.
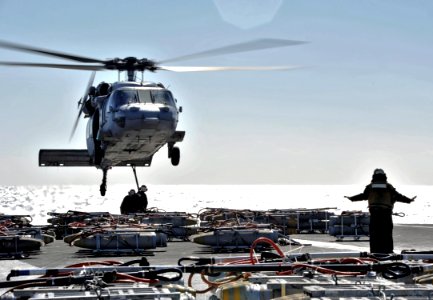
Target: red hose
(94, 263)
(123, 276)
(319, 269)
(264, 240)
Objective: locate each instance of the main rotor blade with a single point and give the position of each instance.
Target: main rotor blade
(83, 102)
(13, 46)
(236, 48)
(215, 69)
(55, 66)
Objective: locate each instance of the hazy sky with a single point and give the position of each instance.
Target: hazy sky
(364, 100)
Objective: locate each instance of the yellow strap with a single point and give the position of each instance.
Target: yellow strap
(283, 289)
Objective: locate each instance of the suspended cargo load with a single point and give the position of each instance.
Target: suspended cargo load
(354, 224)
(232, 238)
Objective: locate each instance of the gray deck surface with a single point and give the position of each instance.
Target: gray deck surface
(60, 254)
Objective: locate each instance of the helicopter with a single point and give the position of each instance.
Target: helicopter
(130, 120)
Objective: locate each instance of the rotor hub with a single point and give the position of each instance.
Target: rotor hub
(131, 64)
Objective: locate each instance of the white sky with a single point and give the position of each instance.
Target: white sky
(365, 99)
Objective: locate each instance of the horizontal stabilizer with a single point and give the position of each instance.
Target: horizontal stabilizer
(65, 158)
(177, 137)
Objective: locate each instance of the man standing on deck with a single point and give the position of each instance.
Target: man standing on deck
(381, 197)
(143, 198)
(132, 203)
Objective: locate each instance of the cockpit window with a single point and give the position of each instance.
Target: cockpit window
(124, 97)
(162, 97)
(156, 96)
(145, 96)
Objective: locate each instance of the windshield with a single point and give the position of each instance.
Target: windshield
(156, 96)
(145, 96)
(124, 97)
(162, 97)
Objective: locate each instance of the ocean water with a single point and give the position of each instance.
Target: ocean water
(37, 201)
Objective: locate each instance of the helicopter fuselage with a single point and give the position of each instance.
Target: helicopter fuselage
(131, 124)
(128, 122)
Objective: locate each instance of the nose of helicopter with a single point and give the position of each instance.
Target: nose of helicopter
(140, 117)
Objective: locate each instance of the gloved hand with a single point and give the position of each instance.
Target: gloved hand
(347, 197)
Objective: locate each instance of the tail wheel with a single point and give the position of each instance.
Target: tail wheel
(175, 156)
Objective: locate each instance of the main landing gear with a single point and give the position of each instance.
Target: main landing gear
(135, 175)
(103, 186)
(174, 154)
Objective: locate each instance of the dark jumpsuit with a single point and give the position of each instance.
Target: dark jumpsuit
(381, 197)
(143, 200)
(133, 204)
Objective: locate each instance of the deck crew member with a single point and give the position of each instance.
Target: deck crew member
(143, 198)
(132, 204)
(381, 197)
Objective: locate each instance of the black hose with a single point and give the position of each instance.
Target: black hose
(158, 274)
(197, 260)
(141, 262)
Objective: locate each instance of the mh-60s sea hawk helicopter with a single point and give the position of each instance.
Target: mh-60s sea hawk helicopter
(129, 121)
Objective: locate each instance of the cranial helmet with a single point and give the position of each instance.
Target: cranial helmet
(379, 176)
(379, 171)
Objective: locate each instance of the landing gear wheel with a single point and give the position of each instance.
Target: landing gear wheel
(103, 189)
(175, 156)
(103, 186)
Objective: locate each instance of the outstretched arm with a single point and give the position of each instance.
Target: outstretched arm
(359, 197)
(402, 198)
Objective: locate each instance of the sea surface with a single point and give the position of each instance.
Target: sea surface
(37, 201)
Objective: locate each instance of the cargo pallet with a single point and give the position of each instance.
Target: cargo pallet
(312, 221)
(15, 251)
(125, 242)
(353, 225)
(182, 233)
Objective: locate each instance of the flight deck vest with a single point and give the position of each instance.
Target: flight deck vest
(380, 196)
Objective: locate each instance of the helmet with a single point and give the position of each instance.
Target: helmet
(143, 188)
(131, 192)
(102, 89)
(379, 171)
(379, 176)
